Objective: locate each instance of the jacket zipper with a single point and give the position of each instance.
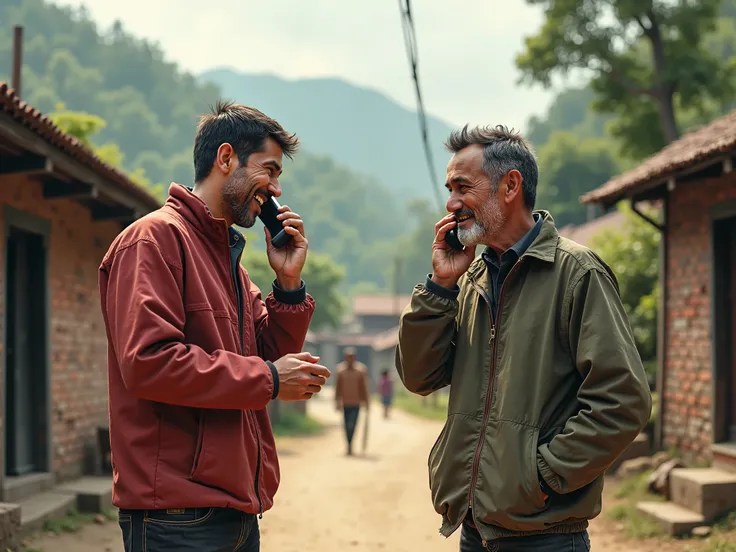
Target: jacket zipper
(489, 391)
(239, 306)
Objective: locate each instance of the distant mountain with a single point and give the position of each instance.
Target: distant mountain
(360, 128)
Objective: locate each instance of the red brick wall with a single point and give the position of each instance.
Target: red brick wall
(77, 334)
(687, 420)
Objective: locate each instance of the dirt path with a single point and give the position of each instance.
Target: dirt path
(329, 502)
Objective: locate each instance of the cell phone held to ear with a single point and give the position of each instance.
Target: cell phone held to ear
(269, 211)
(452, 239)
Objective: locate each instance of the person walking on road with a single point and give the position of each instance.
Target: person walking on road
(351, 392)
(386, 389)
(196, 353)
(547, 387)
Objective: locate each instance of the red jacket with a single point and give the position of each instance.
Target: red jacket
(188, 419)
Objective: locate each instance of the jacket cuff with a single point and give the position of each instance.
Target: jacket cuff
(442, 291)
(275, 377)
(292, 297)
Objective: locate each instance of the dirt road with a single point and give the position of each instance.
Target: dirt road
(329, 502)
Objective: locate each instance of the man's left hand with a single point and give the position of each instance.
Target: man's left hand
(288, 261)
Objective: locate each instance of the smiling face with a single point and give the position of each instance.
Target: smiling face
(253, 184)
(473, 199)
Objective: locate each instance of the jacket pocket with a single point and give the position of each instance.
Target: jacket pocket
(225, 435)
(200, 442)
(508, 493)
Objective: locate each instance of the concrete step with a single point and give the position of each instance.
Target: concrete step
(38, 509)
(706, 491)
(17, 488)
(93, 494)
(674, 519)
(724, 456)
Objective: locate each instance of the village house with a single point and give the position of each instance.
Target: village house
(694, 181)
(60, 208)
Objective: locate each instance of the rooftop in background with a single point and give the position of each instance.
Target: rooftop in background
(700, 147)
(379, 305)
(108, 191)
(584, 233)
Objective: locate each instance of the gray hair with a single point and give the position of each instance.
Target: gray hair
(503, 150)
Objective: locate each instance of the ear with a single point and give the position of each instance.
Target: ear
(226, 158)
(514, 186)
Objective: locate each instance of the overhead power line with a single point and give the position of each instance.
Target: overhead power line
(412, 52)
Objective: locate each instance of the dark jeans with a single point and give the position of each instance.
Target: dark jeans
(470, 541)
(351, 420)
(189, 530)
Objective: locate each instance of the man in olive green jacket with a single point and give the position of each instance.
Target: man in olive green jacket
(547, 386)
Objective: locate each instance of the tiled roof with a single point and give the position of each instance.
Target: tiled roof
(34, 120)
(716, 138)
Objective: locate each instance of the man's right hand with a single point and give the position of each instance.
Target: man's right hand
(448, 264)
(300, 376)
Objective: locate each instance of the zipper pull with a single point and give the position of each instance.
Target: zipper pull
(493, 335)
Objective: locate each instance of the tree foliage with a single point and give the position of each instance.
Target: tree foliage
(569, 167)
(632, 252)
(646, 58)
(323, 278)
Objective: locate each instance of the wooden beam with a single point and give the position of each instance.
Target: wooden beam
(58, 189)
(15, 133)
(108, 212)
(28, 164)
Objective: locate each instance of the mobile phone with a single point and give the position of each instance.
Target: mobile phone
(452, 239)
(269, 210)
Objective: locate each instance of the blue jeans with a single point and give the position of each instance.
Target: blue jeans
(351, 420)
(189, 530)
(470, 541)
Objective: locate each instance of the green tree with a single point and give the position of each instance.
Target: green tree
(632, 252)
(322, 276)
(84, 126)
(569, 167)
(646, 58)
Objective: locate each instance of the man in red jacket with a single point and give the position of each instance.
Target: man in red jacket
(195, 353)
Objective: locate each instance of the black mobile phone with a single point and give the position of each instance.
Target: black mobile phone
(452, 239)
(269, 210)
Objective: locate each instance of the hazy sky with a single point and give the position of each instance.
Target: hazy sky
(466, 47)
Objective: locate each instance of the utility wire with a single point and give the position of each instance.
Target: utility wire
(412, 53)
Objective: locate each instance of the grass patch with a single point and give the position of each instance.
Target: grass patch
(291, 423)
(72, 523)
(632, 490)
(433, 407)
(722, 539)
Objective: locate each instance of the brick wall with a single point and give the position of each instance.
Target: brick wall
(687, 407)
(77, 333)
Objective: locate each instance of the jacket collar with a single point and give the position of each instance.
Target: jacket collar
(195, 211)
(543, 247)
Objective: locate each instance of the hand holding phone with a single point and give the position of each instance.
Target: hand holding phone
(452, 239)
(269, 211)
(450, 259)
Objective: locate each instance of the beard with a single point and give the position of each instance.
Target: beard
(487, 222)
(235, 194)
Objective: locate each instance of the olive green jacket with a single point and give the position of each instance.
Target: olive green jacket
(549, 393)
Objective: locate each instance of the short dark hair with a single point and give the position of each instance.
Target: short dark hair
(244, 128)
(503, 151)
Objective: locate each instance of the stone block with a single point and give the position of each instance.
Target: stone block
(706, 491)
(10, 538)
